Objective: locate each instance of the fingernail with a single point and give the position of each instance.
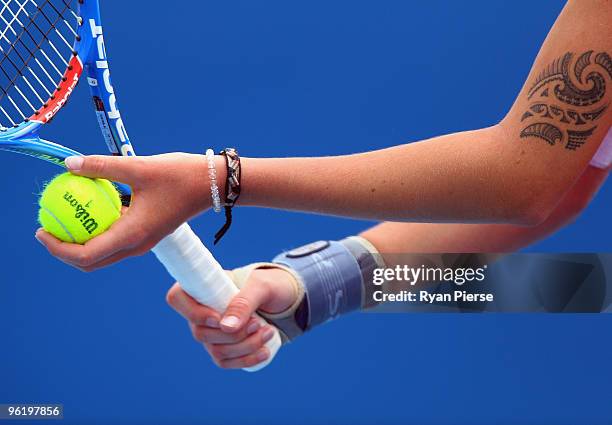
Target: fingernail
(211, 322)
(253, 327)
(230, 321)
(267, 334)
(36, 237)
(74, 163)
(262, 354)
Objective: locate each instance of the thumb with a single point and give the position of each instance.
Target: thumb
(244, 305)
(117, 168)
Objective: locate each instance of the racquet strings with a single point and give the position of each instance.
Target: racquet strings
(36, 49)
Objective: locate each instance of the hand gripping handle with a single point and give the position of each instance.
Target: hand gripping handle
(202, 277)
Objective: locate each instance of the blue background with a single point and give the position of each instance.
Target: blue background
(280, 78)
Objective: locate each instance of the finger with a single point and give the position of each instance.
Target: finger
(190, 309)
(41, 236)
(123, 234)
(243, 306)
(76, 257)
(67, 252)
(249, 346)
(209, 335)
(117, 257)
(124, 169)
(247, 361)
(114, 258)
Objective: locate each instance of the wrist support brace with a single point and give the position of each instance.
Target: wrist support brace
(335, 277)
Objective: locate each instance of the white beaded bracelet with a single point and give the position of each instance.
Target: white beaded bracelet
(212, 176)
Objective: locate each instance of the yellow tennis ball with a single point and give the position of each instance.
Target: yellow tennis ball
(76, 209)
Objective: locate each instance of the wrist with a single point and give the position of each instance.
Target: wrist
(219, 171)
(282, 287)
(199, 185)
(251, 181)
(221, 168)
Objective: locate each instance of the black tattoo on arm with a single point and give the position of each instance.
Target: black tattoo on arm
(605, 61)
(577, 138)
(544, 131)
(568, 94)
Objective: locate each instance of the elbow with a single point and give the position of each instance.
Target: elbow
(562, 213)
(534, 209)
(533, 216)
(572, 206)
(544, 197)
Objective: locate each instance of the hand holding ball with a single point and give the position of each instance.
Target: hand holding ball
(76, 209)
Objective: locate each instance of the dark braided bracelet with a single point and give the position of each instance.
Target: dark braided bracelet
(232, 188)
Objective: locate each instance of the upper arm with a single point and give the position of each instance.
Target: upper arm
(564, 110)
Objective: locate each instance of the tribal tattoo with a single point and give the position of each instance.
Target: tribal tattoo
(569, 93)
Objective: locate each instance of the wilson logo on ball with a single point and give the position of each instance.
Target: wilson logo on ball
(89, 224)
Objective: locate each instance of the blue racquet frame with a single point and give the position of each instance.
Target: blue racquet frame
(90, 58)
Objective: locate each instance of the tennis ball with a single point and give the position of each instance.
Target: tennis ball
(76, 209)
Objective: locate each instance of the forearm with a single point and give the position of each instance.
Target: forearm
(469, 177)
(396, 238)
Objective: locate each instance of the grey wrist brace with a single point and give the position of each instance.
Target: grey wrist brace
(335, 277)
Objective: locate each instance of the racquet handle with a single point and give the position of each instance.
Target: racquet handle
(202, 277)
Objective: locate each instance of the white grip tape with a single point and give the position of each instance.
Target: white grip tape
(201, 276)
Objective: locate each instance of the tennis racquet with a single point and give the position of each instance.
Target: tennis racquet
(45, 47)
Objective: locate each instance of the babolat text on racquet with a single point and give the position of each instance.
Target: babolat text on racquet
(45, 47)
